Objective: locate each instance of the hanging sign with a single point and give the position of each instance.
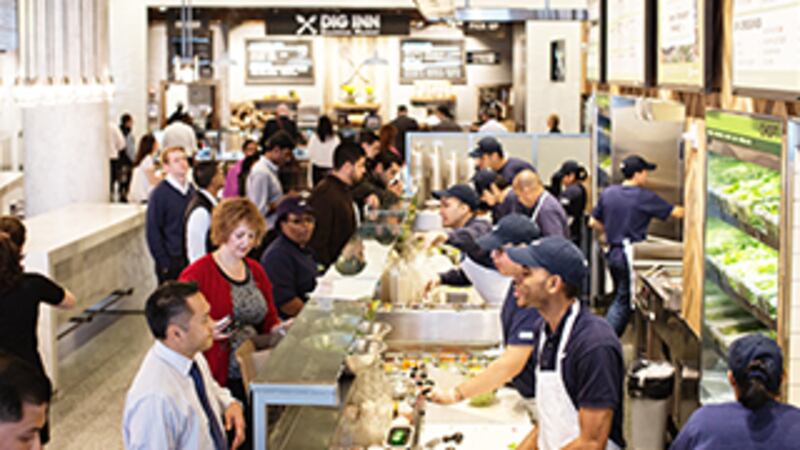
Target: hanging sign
(350, 23)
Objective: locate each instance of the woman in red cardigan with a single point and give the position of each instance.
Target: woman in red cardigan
(235, 286)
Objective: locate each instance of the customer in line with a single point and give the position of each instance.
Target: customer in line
(165, 215)
(209, 180)
(533, 200)
(370, 143)
(388, 137)
(757, 419)
(144, 178)
(380, 188)
(249, 148)
(446, 120)
(489, 154)
(579, 369)
(21, 293)
(288, 261)
(553, 122)
(25, 395)
(174, 403)
(126, 156)
(263, 184)
(320, 149)
(180, 133)
(623, 212)
(459, 204)
(404, 124)
(236, 287)
(490, 124)
(282, 121)
(516, 364)
(333, 204)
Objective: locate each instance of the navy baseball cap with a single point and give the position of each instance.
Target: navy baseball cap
(635, 163)
(486, 146)
(555, 254)
(483, 179)
(292, 205)
(758, 347)
(463, 192)
(512, 229)
(569, 167)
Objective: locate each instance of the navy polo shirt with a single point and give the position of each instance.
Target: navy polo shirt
(626, 212)
(512, 167)
(593, 369)
(519, 327)
(465, 239)
(731, 425)
(291, 270)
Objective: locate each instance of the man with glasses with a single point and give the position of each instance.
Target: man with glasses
(288, 262)
(516, 364)
(579, 369)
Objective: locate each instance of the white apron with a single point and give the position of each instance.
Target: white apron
(558, 419)
(489, 283)
(627, 247)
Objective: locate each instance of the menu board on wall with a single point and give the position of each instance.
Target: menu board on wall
(681, 43)
(423, 59)
(627, 42)
(594, 48)
(279, 61)
(766, 45)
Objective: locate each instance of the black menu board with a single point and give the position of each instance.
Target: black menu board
(202, 45)
(279, 61)
(766, 44)
(424, 59)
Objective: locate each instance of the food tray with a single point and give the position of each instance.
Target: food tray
(763, 227)
(741, 293)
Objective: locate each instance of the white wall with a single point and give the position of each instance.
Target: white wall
(128, 48)
(10, 115)
(545, 97)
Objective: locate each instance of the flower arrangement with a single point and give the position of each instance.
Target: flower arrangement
(370, 91)
(349, 91)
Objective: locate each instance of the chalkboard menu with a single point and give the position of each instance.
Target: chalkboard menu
(595, 52)
(202, 45)
(422, 59)
(279, 61)
(682, 49)
(766, 45)
(628, 44)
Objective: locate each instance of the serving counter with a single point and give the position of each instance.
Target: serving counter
(99, 253)
(346, 385)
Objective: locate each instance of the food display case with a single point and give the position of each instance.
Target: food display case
(746, 257)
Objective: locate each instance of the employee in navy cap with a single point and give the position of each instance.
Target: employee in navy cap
(579, 368)
(516, 364)
(624, 212)
(288, 261)
(568, 186)
(757, 420)
(492, 189)
(489, 155)
(458, 210)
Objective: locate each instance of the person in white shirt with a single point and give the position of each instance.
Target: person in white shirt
(320, 149)
(263, 186)
(490, 122)
(144, 177)
(209, 180)
(174, 402)
(180, 133)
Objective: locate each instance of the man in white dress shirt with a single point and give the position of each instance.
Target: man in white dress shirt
(490, 122)
(180, 133)
(174, 402)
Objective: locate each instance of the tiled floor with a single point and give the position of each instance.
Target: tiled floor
(87, 412)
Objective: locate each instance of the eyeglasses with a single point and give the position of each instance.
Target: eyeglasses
(305, 220)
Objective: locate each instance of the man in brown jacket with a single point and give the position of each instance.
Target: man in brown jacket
(333, 204)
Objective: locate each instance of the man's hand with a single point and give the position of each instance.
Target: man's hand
(488, 198)
(373, 201)
(443, 397)
(431, 285)
(234, 418)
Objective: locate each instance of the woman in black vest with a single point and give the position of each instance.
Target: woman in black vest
(197, 219)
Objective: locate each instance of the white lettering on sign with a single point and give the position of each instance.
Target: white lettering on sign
(366, 22)
(334, 21)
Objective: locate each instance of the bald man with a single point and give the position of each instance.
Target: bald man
(281, 122)
(533, 200)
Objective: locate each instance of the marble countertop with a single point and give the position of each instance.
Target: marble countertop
(9, 179)
(66, 232)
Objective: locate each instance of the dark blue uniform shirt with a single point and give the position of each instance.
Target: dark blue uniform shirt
(291, 269)
(626, 212)
(512, 167)
(465, 239)
(592, 367)
(519, 327)
(731, 425)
